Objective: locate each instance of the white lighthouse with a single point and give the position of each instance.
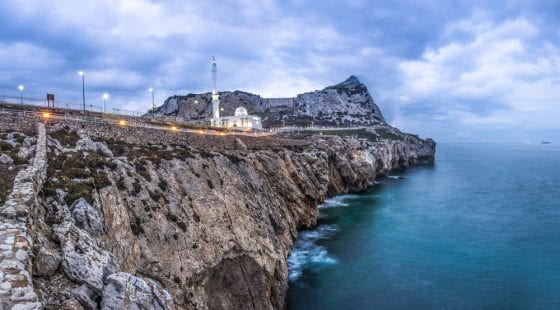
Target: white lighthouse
(215, 96)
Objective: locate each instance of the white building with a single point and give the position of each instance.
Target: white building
(240, 120)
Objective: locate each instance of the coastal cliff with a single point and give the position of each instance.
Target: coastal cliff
(161, 220)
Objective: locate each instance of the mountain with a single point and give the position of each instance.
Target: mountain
(348, 103)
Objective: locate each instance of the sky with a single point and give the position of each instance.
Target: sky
(456, 71)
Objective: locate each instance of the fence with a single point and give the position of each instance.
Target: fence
(35, 102)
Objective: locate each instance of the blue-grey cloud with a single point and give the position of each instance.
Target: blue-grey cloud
(449, 70)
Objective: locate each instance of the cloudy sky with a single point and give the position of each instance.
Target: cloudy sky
(464, 71)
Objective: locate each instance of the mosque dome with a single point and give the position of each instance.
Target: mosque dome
(241, 111)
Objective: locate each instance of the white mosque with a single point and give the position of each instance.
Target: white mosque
(240, 120)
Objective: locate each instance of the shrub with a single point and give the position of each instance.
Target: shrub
(163, 185)
(65, 137)
(141, 170)
(136, 226)
(155, 195)
(120, 184)
(136, 187)
(101, 180)
(78, 190)
(5, 146)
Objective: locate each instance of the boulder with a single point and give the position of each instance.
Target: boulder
(85, 297)
(82, 260)
(6, 160)
(46, 261)
(125, 291)
(87, 217)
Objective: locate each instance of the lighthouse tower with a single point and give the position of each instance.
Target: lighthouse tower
(215, 96)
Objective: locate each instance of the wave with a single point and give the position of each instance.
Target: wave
(338, 201)
(307, 253)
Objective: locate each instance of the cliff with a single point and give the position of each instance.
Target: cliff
(347, 103)
(156, 219)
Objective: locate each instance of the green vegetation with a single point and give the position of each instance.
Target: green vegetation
(358, 133)
(65, 137)
(387, 135)
(6, 182)
(136, 226)
(163, 185)
(5, 146)
(76, 175)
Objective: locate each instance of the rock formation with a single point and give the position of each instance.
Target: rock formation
(347, 103)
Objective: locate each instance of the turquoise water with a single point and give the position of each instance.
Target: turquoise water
(478, 229)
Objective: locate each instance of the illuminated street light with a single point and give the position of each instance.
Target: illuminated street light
(83, 75)
(151, 90)
(105, 97)
(21, 88)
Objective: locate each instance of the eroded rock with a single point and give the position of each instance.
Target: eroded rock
(125, 291)
(82, 260)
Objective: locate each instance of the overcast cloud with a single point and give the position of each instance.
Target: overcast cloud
(462, 71)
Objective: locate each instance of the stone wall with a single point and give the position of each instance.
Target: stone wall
(16, 286)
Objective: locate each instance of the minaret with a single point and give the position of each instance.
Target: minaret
(215, 96)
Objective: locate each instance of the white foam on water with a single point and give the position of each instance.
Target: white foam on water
(338, 201)
(307, 253)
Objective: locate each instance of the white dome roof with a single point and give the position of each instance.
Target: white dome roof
(241, 111)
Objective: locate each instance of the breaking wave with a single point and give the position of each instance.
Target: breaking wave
(339, 201)
(307, 253)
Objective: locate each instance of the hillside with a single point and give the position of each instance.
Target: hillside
(346, 104)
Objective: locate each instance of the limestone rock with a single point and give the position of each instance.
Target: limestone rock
(87, 144)
(125, 291)
(46, 261)
(23, 152)
(87, 217)
(239, 144)
(82, 260)
(70, 304)
(6, 160)
(348, 103)
(85, 297)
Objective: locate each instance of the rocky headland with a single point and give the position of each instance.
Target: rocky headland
(345, 104)
(135, 218)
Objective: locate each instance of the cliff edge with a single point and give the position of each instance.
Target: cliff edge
(161, 220)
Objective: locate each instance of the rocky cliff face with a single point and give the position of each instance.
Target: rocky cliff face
(347, 103)
(201, 225)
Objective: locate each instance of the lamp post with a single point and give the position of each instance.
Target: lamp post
(151, 90)
(21, 88)
(83, 75)
(105, 97)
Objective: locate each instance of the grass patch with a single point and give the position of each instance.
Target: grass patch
(387, 135)
(6, 182)
(359, 133)
(65, 137)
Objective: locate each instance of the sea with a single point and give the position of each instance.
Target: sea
(478, 229)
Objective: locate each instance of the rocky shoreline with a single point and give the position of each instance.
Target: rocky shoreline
(194, 222)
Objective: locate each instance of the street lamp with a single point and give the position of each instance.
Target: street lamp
(105, 97)
(83, 75)
(21, 88)
(151, 90)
